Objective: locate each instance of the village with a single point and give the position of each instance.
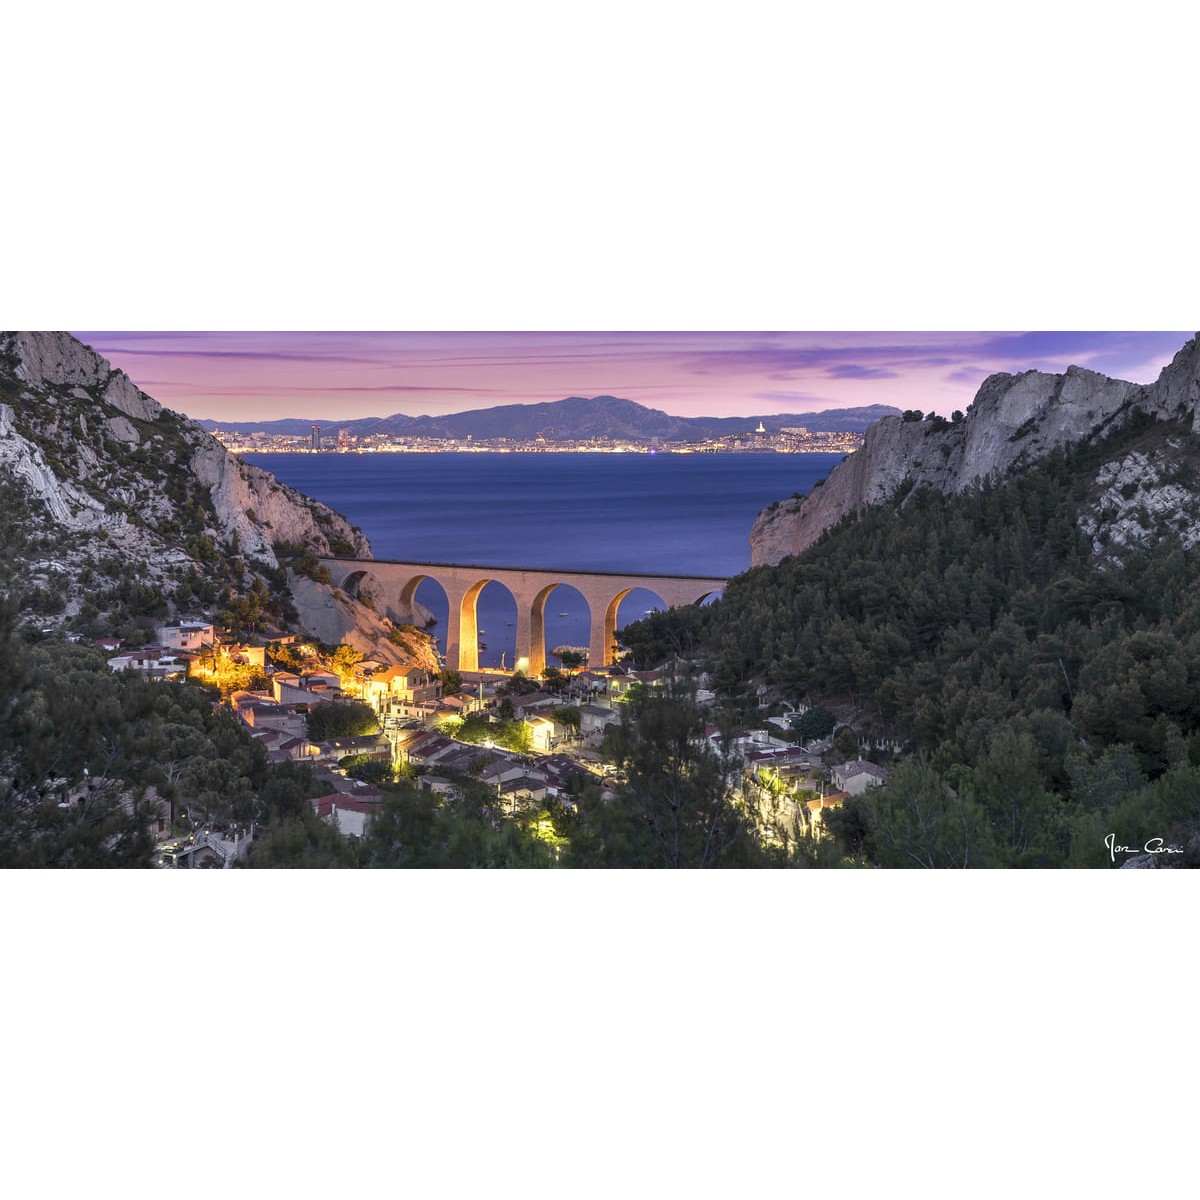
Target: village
(360, 723)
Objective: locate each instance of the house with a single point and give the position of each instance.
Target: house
(466, 759)
(349, 814)
(439, 785)
(593, 719)
(243, 655)
(562, 769)
(460, 703)
(522, 791)
(407, 685)
(501, 771)
(291, 749)
(543, 732)
(317, 678)
(241, 699)
(320, 687)
(153, 662)
(755, 740)
(622, 681)
(816, 806)
(374, 746)
(346, 786)
(855, 777)
(278, 717)
(187, 635)
(532, 701)
(425, 749)
(213, 847)
(788, 764)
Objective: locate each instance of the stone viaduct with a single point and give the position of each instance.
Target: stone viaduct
(531, 588)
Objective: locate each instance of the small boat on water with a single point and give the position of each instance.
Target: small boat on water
(564, 614)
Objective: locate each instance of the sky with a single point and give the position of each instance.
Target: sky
(339, 376)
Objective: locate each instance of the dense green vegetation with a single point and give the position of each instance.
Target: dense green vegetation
(1029, 696)
(85, 752)
(674, 805)
(416, 829)
(477, 728)
(983, 633)
(346, 718)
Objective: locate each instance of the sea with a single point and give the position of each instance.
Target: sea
(661, 513)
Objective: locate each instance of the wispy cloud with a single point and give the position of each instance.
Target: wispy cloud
(685, 373)
(858, 371)
(970, 375)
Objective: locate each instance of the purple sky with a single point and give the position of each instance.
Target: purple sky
(338, 376)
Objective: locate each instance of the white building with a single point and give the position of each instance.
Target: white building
(187, 635)
(855, 777)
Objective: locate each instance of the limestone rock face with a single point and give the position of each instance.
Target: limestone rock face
(331, 616)
(65, 504)
(112, 487)
(121, 429)
(253, 504)
(61, 359)
(1176, 392)
(1014, 421)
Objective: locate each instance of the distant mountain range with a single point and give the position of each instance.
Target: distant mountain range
(572, 418)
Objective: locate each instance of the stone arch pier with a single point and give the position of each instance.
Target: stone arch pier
(603, 591)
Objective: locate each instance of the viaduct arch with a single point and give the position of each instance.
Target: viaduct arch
(603, 591)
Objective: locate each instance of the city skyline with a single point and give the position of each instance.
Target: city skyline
(335, 376)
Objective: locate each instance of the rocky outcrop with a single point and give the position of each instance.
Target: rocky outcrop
(56, 376)
(107, 485)
(261, 511)
(65, 504)
(1139, 497)
(1015, 420)
(329, 615)
(58, 358)
(1176, 393)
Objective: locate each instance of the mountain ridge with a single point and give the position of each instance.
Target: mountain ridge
(1015, 420)
(569, 418)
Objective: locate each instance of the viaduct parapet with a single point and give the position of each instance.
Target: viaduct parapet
(603, 591)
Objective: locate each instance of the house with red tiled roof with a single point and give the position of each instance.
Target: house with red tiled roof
(349, 814)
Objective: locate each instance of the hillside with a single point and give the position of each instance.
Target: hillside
(1013, 626)
(1015, 421)
(117, 513)
(575, 418)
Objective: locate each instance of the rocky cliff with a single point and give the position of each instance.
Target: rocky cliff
(113, 504)
(1014, 420)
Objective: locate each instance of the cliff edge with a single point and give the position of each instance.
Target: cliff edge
(1014, 421)
(113, 504)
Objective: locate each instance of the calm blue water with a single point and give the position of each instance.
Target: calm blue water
(686, 514)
